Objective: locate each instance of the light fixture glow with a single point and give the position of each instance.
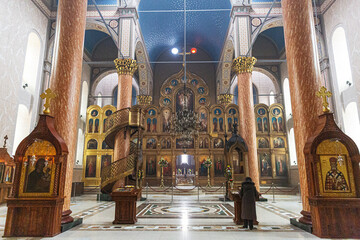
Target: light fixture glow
(174, 51)
(193, 50)
(184, 159)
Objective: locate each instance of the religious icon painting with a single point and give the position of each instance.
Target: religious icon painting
(261, 111)
(184, 100)
(163, 144)
(217, 111)
(203, 120)
(92, 144)
(280, 164)
(152, 112)
(232, 111)
(280, 124)
(167, 170)
(202, 168)
(274, 124)
(174, 82)
(166, 114)
(276, 111)
(90, 126)
(215, 124)
(336, 177)
(218, 143)
(108, 113)
(219, 166)
(39, 174)
(265, 165)
(194, 82)
(167, 101)
(201, 90)
(90, 169)
(151, 143)
(94, 113)
(221, 124)
(259, 124)
(2, 169)
(96, 129)
(105, 161)
(151, 165)
(266, 124)
(279, 142)
(202, 101)
(148, 124)
(263, 143)
(168, 91)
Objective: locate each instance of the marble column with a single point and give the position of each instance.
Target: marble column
(65, 80)
(304, 79)
(247, 128)
(125, 69)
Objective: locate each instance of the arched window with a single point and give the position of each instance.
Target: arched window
(292, 147)
(287, 99)
(23, 123)
(31, 64)
(271, 98)
(99, 100)
(341, 59)
(351, 122)
(84, 99)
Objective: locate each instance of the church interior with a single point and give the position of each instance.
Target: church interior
(142, 119)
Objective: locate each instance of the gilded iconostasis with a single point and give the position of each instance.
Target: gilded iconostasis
(215, 120)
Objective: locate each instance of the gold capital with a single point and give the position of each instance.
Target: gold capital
(324, 94)
(144, 99)
(47, 95)
(225, 98)
(243, 64)
(126, 66)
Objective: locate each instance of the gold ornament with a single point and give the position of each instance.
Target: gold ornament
(225, 98)
(144, 99)
(126, 66)
(324, 94)
(243, 64)
(47, 95)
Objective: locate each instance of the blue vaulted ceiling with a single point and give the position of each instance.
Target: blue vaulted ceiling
(92, 38)
(162, 25)
(276, 34)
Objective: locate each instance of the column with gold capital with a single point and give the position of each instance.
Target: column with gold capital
(304, 80)
(125, 69)
(243, 66)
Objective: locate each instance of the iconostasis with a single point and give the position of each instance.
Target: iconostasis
(215, 120)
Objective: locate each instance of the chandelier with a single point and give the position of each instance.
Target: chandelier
(186, 122)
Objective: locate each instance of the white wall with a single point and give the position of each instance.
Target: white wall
(18, 18)
(345, 14)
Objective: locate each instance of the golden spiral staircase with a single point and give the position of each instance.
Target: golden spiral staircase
(132, 119)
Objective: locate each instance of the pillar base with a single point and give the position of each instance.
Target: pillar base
(306, 218)
(70, 225)
(305, 227)
(66, 218)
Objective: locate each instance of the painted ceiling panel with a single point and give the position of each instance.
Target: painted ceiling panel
(204, 29)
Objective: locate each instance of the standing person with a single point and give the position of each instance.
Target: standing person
(249, 195)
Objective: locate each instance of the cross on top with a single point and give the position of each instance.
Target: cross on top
(323, 93)
(47, 95)
(5, 139)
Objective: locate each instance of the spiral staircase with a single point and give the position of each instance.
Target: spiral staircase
(131, 119)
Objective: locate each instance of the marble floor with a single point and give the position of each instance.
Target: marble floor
(189, 222)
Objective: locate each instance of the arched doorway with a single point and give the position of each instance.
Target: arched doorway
(185, 170)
